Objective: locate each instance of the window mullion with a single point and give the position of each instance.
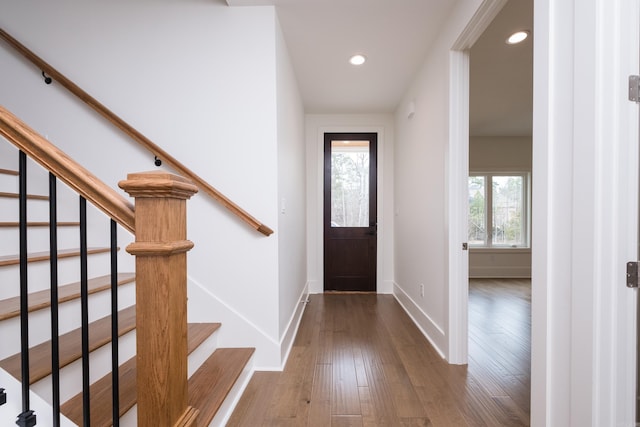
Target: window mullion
(489, 209)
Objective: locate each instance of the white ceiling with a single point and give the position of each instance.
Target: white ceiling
(501, 76)
(394, 35)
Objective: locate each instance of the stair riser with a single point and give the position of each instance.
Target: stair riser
(39, 275)
(100, 365)
(13, 407)
(69, 319)
(38, 239)
(8, 183)
(200, 354)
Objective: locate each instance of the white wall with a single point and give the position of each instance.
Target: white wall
(499, 154)
(421, 233)
(292, 251)
(316, 126)
(198, 79)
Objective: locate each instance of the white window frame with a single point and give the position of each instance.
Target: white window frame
(488, 197)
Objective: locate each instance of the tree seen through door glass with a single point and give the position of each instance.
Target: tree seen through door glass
(349, 183)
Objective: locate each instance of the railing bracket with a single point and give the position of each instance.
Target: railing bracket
(3, 397)
(27, 419)
(157, 161)
(47, 79)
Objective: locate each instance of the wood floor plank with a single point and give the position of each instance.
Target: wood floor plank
(346, 421)
(345, 399)
(320, 402)
(289, 387)
(384, 411)
(415, 422)
(405, 399)
(10, 307)
(252, 408)
(399, 378)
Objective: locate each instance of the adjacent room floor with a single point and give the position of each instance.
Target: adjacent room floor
(358, 360)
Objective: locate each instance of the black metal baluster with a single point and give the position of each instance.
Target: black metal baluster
(84, 304)
(27, 418)
(55, 342)
(115, 385)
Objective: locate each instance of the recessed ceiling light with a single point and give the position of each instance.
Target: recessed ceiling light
(357, 59)
(517, 37)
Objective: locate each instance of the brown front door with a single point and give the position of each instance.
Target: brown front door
(350, 209)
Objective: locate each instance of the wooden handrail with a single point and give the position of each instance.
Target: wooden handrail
(134, 134)
(68, 171)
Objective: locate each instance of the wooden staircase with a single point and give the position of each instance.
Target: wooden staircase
(208, 386)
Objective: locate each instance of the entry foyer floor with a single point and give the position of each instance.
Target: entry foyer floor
(358, 360)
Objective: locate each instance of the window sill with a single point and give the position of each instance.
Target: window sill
(499, 250)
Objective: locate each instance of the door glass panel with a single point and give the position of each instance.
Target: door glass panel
(349, 183)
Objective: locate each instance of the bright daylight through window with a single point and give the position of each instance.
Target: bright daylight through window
(502, 202)
(349, 183)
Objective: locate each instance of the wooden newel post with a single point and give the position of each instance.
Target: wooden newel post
(161, 296)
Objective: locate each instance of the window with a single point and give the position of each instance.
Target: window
(501, 200)
(350, 183)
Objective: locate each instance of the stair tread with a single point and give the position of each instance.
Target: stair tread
(29, 196)
(9, 172)
(44, 256)
(101, 413)
(39, 224)
(212, 382)
(10, 307)
(70, 346)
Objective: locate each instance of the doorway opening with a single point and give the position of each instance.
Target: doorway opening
(499, 203)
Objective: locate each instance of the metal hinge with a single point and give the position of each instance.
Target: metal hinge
(634, 88)
(632, 274)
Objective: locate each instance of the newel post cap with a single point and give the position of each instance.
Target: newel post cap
(158, 184)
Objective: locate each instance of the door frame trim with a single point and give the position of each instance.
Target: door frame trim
(458, 172)
(316, 128)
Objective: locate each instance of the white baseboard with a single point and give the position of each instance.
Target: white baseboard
(294, 323)
(427, 326)
(315, 287)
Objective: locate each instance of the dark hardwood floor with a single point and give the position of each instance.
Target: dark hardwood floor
(358, 360)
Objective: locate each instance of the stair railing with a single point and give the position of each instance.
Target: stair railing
(159, 225)
(161, 256)
(135, 134)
